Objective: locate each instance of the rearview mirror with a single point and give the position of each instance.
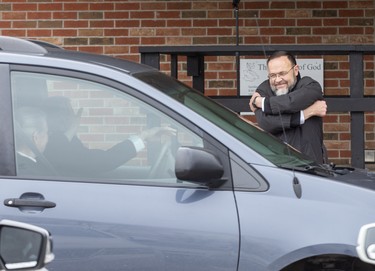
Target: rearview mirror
(24, 246)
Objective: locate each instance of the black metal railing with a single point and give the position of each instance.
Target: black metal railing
(356, 103)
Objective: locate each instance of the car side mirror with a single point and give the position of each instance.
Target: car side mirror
(24, 246)
(199, 165)
(366, 243)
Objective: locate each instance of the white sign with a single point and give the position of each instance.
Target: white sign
(254, 71)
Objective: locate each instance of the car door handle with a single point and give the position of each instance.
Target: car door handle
(29, 200)
(14, 202)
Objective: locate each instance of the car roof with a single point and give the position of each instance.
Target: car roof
(41, 49)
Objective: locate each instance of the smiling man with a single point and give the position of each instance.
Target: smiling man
(291, 107)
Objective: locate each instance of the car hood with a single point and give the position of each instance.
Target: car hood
(358, 177)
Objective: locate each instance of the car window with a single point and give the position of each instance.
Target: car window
(76, 128)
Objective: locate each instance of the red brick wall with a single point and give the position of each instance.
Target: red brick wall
(118, 27)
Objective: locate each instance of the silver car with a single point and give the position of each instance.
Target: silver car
(207, 190)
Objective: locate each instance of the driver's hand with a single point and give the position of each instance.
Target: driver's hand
(158, 131)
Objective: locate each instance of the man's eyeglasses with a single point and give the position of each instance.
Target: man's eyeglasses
(273, 76)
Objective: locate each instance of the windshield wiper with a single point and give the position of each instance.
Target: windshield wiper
(340, 170)
(320, 170)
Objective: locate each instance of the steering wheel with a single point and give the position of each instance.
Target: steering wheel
(157, 169)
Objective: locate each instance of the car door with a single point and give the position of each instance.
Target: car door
(124, 212)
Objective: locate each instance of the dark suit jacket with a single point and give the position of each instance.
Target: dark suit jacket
(27, 167)
(281, 117)
(72, 158)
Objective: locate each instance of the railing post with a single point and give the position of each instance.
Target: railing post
(195, 68)
(357, 118)
(174, 66)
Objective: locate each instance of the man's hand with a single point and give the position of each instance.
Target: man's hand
(319, 109)
(258, 102)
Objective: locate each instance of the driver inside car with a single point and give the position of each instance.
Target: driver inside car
(69, 155)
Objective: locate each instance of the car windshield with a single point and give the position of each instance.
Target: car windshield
(260, 141)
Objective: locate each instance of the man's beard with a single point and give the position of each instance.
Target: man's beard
(282, 91)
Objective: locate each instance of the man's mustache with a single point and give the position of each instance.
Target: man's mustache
(281, 83)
